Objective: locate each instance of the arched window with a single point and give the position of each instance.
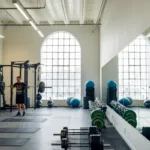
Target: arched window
(134, 70)
(61, 69)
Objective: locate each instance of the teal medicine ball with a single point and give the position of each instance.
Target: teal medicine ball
(124, 101)
(111, 83)
(68, 100)
(130, 100)
(90, 84)
(75, 102)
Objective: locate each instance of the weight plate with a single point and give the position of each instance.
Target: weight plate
(99, 122)
(38, 96)
(41, 87)
(95, 142)
(97, 111)
(64, 143)
(129, 113)
(63, 134)
(93, 130)
(132, 122)
(129, 117)
(98, 115)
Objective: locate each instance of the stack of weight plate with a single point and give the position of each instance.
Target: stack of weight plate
(90, 93)
(89, 96)
(97, 114)
(127, 114)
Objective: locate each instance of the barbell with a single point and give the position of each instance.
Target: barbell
(41, 87)
(94, 141)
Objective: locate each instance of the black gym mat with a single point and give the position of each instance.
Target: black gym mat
(112, 137)
(19, 130)
(24, 120)
(13, 141)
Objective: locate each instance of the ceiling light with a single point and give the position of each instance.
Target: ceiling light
(33, 25)
(40, 33)
(23, 11)
(20, 8)
(1, 36)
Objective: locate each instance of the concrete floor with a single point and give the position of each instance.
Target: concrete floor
(57, 118)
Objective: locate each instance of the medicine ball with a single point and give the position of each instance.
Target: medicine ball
(68, 100)
(124, 101)
(111, 83)
(75, 102)
(130, 100)
(90, 84)
(147, 103)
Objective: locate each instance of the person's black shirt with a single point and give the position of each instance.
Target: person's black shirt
(20, 88)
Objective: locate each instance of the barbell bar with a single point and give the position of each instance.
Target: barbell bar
(58, 144)
(41, 87)
(94, 143)
(72, 133)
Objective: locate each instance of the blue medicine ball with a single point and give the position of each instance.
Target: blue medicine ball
(130, 100)
(124, 101)
(75, 102)
(111, 83)
(147, 103)
(68, 100)
(89, 84)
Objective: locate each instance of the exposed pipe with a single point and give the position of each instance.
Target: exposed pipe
(48, 24)
(12, 8)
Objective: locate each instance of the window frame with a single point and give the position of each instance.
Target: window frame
(72, 62)
(133, 62)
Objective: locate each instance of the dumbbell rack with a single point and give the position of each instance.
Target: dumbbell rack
(93, 140)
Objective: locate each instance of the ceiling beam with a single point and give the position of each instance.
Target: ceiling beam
(14, 19)
(47, 12)
(48, 16)
(13, 14)
(98, 19)
(66, 18)
(82, 11)
(58, 24)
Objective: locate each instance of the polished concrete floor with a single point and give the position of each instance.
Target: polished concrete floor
(57, 118)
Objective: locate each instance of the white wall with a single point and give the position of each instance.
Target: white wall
(23, 43)
(123, 21)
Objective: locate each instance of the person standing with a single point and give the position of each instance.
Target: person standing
(20, 95)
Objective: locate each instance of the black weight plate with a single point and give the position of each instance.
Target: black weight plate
(90, 89)
(41, 87)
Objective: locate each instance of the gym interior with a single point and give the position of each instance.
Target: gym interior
(86, 69)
